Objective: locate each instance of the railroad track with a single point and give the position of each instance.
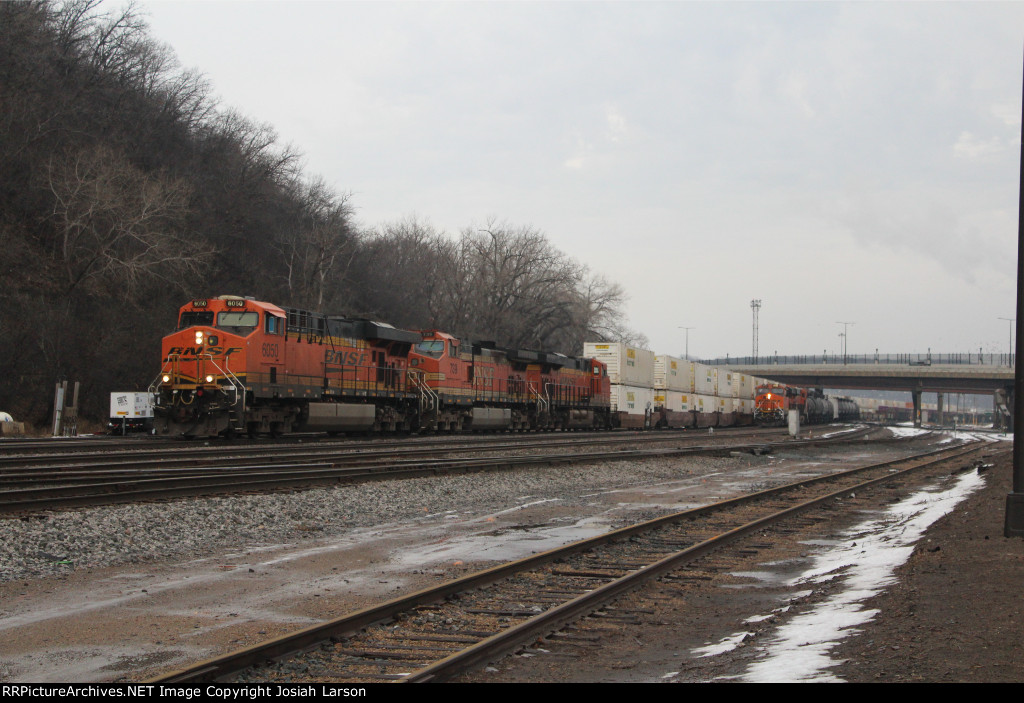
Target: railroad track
(122, 480)
(97, 451)
(439, 632)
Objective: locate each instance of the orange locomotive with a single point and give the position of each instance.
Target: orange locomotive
(238, 365)
(772, 403)
(478, 385)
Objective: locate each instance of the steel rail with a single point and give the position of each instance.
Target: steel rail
(219, 668)
(127, 468)
(253, 477)
(176, 455)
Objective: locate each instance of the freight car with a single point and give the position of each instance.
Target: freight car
(661, 391)
(239, 365)
(773, 402)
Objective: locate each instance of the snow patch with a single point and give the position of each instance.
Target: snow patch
(799, 649)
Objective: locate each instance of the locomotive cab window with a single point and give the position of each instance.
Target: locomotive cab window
(240, 323)
(202, 318)
(434, 348)
(273, 324)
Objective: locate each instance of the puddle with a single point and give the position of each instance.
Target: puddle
(512, 546)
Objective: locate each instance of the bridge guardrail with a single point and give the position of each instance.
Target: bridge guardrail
(927, 359)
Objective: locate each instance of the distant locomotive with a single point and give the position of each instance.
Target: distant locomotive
(239, 365)
(772, 403)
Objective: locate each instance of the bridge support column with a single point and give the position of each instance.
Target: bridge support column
(941, 414)
(916, 395)
(1002, 407)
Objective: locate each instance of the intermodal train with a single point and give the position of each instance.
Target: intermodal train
(238, 365)
(773, 401)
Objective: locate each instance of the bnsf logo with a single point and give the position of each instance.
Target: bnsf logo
(193, 352)
(345, 358)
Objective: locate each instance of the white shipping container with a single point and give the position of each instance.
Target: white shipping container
(724, 387)
(674, 401)
(704, 403)
(745, 406)
(634, 400)
(742, 385)
(128, 404)
(673, 373)
(627, 365)
(724, 405)
(705, 379)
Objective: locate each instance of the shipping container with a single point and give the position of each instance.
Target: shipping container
(704, 403)
(723, 386)
(675, 401)
(742, 386)
(626, 365)
(673, 373)
(705, 379)
(633, 400)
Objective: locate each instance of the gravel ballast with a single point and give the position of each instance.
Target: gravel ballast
(53, 543)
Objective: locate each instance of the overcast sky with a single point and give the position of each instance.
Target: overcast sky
(839, 161)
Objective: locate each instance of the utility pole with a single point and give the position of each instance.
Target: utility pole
(755, 305)
(1014, 525)
(687, 339)
(845, 336)
(1011, 320)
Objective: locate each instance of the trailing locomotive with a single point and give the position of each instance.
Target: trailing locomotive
(772, 403)
(239, 365)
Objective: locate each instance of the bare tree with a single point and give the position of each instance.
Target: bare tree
(318, 250)
(118, 227)
(398, 273)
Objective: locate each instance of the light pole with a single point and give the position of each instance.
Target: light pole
(755, 306)
(1011, 320)
(845, 335)
(687, 339)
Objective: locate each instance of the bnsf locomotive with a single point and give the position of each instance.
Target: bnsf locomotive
(238, 365)
(772, 403)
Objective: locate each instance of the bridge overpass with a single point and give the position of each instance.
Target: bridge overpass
(915, 373)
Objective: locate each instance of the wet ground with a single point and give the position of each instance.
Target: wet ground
(131, 622)
(923, 588)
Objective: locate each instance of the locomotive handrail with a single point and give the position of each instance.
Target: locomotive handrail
(171, 361)
(418, 380)
(540, 399)
(227, 373)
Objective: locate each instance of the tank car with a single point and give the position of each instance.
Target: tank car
(773, 402)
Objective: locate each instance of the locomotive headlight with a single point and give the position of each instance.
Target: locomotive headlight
(209, 379)
(769, 396)
(199, 337)
(166, 378)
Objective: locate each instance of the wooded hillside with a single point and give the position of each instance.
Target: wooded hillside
(125, 190)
